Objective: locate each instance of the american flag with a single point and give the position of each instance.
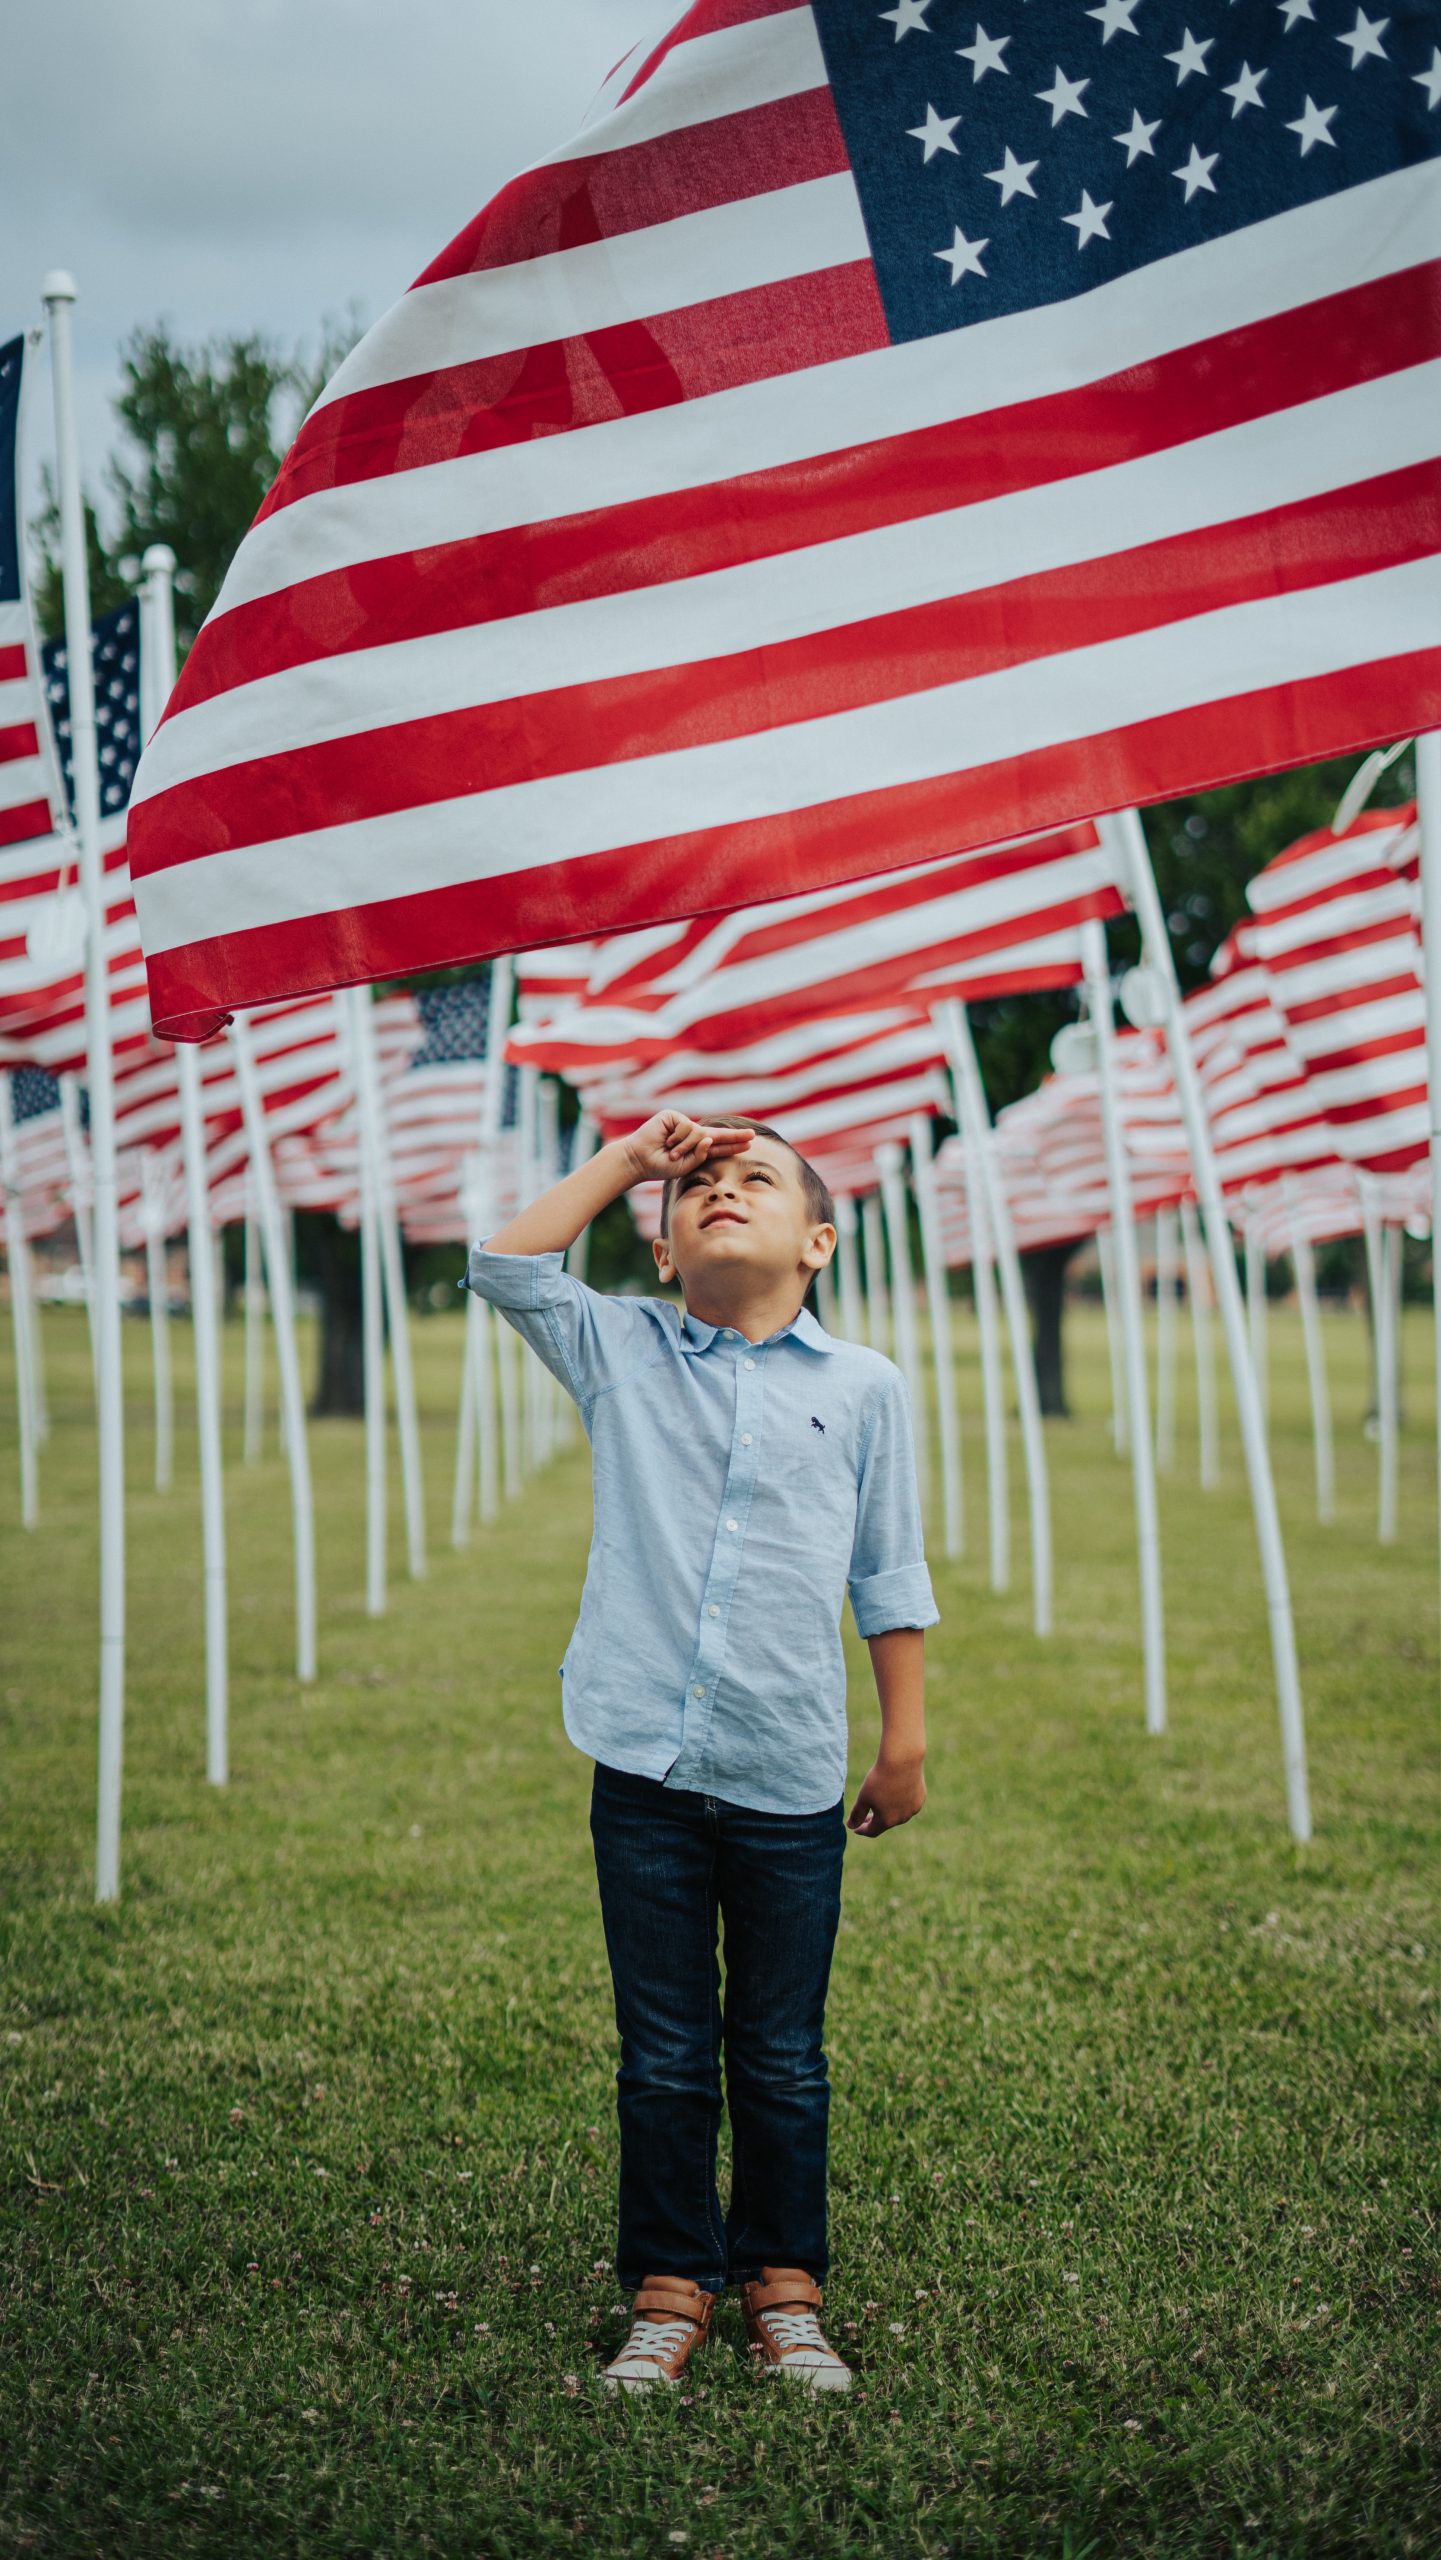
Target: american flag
(25, 775)
(39, 1166)
(42, 1005)
(1336, 933)
(878, 432)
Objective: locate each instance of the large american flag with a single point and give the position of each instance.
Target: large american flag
(878, 432)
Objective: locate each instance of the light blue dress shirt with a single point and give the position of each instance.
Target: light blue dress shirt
(740, 1489)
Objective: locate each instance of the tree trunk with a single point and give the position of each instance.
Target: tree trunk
(1044, 1272)
(334, 1257)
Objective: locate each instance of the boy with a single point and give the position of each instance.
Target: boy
(747, 1468)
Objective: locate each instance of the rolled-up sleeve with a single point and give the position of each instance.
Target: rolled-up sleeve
(888, 1582)
(587, 1341)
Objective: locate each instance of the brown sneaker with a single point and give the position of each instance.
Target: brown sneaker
(670, 2317)
(785, 2332)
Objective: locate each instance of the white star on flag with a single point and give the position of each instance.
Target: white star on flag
(1245, 89)
(1291, 10)
(1090, 222)
(1114, 18)
(963, 256)
(1365, 37)
(1013, 177)
(1065, 98)
(1139, 137)
(1430, 80)
(1312, 124)
(935, 134)
(907, 16)
(985, 54)
(1191, 56)
(1197, 172)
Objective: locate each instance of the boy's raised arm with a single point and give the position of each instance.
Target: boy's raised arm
(667, 1146)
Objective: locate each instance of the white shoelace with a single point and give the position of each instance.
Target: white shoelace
(651, 2341)
(798, 2329)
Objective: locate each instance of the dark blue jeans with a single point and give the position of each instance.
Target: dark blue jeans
(671, 1866)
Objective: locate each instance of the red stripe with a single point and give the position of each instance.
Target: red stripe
(1370, 822)
(1361, 335)
(31, 819)
(415, 763)
(586, 381)
(21, 740)
(708, 18)
(194, 987)
(14, 663)
(569, 203)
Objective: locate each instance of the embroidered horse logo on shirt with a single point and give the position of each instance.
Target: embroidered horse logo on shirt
(818, 1425)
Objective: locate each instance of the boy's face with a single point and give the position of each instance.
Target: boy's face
(746, 1215)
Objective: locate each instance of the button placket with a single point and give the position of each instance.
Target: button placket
(708, 1659)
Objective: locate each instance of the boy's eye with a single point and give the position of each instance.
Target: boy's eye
(759, 1175)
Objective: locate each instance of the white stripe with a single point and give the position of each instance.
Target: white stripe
(1284, 884)
(726, 248)
(1385, 901)
(17, 702)
(721, 74)
(21, 780)
(1270, 462)
(1278, 640)
(1339, 973)
(1250, 275)
(14, 626)
(1387, 1018)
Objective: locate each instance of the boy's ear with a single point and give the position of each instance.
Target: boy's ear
(818, 1251)
(660, 1247)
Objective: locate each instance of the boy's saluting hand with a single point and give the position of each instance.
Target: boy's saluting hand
(671, 1144)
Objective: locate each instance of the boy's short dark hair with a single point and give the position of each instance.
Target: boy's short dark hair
(820, 1207)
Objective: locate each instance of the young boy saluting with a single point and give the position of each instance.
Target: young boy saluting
(748, 1470)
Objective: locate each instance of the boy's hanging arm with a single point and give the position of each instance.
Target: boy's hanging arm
(894, 1788)
(669, 1145)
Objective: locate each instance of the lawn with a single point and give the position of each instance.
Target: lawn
(309, 2145)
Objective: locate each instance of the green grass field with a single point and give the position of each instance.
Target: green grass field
(309, 2145)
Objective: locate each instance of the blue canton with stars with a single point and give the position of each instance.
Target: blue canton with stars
(1047, 146)
(455, 1021)
(115, 657)
(33, 1092)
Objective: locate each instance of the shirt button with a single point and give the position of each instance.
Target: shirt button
(732, 1525)
(745, 1439)
(713, 1611)
(750, 1364)
(697, 1693)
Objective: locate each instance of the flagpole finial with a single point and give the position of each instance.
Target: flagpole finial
(158, 560)
(59, 286)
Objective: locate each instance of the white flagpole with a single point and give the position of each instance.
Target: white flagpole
(253, 1290)
(1106, 1265)
(1428, 785)
(556, 1406)
(81, 1181)
(878, 1300)
(938, 1301)
(1257, 1312)
(586, 1143)
(58, 292)
(1128, 1292)
(1303, 1263)
(17, 1255)
(1198, 1292)
(983, 1284)
(965, 1071)
(157, 668)
(1126, 837)
(157, 1290)
(350, 1024)
(889, 1165)
(463, 1489)
(849, 1268)
(1383, 1354)
(282, 1303)
(1165, 1339)
(375, 1131)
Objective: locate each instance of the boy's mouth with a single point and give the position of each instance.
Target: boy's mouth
(717, 1217)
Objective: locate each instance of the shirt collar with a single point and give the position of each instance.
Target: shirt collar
(804, 1329)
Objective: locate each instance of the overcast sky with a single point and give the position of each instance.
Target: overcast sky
(230, 165)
